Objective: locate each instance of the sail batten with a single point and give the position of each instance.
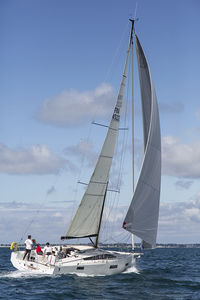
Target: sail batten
(142, 215)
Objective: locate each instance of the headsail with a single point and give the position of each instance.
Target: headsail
(87, 220)
(142, 216)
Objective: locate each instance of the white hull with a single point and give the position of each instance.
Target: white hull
(83, 260)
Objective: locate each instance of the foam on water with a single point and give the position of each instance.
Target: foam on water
(84, 275)
(132, 269)
(21, 274)
(29, 274)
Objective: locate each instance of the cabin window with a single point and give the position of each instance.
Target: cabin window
(80, 268)
(100, 256)
(113, 266)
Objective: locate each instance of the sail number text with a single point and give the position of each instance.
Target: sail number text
(116, 115)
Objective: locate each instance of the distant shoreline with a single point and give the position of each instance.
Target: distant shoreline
(170, 245)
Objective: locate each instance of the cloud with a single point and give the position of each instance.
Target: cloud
(180, 159)
(43, 223)
(73, 107)
(179, 222)
(37, 159)
(46, 223)
(84, 150)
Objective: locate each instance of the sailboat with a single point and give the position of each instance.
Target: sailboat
(142, 215)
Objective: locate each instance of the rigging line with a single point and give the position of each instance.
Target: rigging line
(121, 162)
(82, 165)
(125, 135)
(124, 138)
(115, 202)
(114, 62)
(37, 212)
(116, 53)
(120, 236)
(119, 239)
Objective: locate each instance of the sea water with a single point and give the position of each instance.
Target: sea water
(159, 274)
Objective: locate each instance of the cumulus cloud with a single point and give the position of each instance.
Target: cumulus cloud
(37, 159)
(180, 159)
(19, 219)
(73, 107)
(84, 150)
(179, 222)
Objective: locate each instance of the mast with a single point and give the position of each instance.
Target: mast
(132, 102)
(97, 237)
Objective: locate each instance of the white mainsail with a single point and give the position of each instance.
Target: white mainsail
(87, 219)
(142, 215)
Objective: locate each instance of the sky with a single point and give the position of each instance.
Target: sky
(60, 67)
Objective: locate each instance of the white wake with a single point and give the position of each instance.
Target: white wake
(132, 269)
(21, 274)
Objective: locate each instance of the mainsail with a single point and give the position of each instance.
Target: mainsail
(87, 219)
(142, 215)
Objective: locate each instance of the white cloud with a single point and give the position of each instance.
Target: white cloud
(180, 159)
(84, 150)
(37, 159)
(73, 107)
(44, 224)
(179, 222)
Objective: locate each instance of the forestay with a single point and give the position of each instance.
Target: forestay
(86, 222)
(142, 216)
